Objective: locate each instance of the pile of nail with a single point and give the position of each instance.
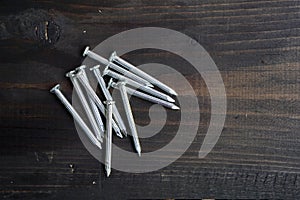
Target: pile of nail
(124, 77)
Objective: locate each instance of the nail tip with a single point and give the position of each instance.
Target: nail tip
(124, 132)
(99, 145)
(173, 92)
(108, 173)
(170, 99)
(150, 85)
(175, 107)
(120, 135)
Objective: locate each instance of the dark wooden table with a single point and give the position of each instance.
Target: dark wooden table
(255, 45)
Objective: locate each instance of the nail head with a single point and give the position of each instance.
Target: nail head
(87, 49)
(56, 87)
(95, 67)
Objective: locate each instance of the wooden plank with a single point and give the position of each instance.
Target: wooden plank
(255, 44)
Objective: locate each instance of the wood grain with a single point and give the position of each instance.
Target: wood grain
(255, 44)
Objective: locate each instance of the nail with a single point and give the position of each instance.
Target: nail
(119, 69)
(108, 96)
(77, 118)
(93, 106)
(145, 96)
(99, 134)
(109, 106)
(115, 58)
(137, 85)
(128, 111)
(117, 129)
(92, 94)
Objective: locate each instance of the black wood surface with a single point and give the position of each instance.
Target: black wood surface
(255, 44)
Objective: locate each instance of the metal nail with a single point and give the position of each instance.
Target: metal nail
(92, 94)
(93, 106)
(128, 111)
(108, 96)
(77, 118)
(137, 85)
(117, 129)
(104, 61)
(109, 110)
(145, 96)
(115, 58)
(99, 134)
